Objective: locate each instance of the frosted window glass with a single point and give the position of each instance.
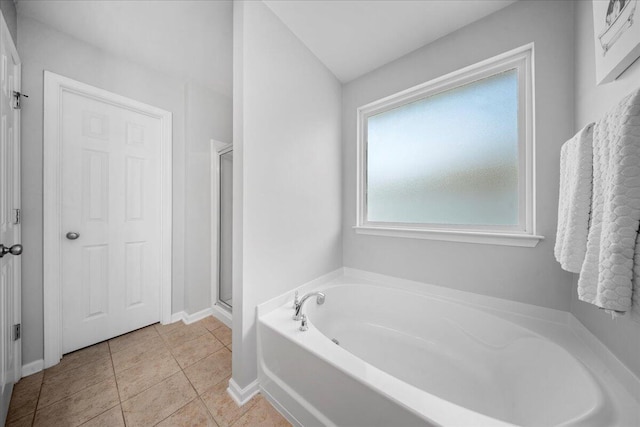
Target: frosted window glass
(451, 158)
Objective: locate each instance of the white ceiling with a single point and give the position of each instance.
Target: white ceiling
(191, 40)
(353, 37)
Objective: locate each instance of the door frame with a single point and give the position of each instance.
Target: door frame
(54, 86)
(218, 148)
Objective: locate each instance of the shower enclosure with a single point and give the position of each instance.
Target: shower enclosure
(225, 198)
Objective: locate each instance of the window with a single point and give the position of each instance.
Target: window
(452, 159)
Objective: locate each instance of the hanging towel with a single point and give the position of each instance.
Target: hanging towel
(635, 298)
(607, 272)
(574, 202)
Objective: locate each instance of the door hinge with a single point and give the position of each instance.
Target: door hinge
(17, 97)
(18, 217)
(17, 333)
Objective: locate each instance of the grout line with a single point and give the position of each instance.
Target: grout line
(181, 369)
(188, 380)
(166, 346)
(152, 385)
(199, 336)
(35, 411)
(137, 342)
(81, 365)
(190, 339)
(115, 380)
(33, 418)
(171, 414)
(92, 418)
(215, 384)
(124, 420)
(113, 370)
(85, 386)
(77, 367)
(206, 408)
(187, 377)
(198, 395)
(195, 338)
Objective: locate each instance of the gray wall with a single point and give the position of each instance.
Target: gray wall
(529, 275)
(621, 335)
(198, 115)
(8, 9)
(287, 149)
(208, 116)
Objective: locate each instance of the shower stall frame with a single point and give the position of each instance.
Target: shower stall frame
(218, 150)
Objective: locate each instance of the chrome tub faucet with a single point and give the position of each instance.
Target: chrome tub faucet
(298, 304)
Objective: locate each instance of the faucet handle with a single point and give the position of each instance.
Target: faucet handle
(303, 324)
(296, 301)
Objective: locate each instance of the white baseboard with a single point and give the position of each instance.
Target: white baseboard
(177, 317)
(199, 315)
(217, 312)
(243, 395)
(32, 368)
(222, 315)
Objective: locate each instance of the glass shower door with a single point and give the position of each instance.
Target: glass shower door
(225, 221)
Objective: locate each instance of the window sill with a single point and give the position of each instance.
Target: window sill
(480, 237)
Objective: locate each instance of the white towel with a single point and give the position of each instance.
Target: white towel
(574, 202)
(635, 299)
(607, 272)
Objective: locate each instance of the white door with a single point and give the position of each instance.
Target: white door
(10, 246)
(111, 219)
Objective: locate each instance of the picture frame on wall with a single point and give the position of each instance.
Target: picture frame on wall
(616, 25)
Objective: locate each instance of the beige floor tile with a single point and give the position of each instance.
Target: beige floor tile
(84, 387)
(112, 418)
(192, 414)
(79, 358)
(25, 396)
(184, 334)
(262, 414)
(197, 349)
(25, 421)
(158, 367)
(165, 329)
(211, 323)
(210, 370)
(224, 410)
(65, 384)
(158, 402)
(136, 354)
(79, 407)
(223, 334)
(132, 338)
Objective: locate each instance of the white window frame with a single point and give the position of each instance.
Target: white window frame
(524, 234)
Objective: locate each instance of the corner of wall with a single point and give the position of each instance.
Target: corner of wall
(238, 361)
(9, 12)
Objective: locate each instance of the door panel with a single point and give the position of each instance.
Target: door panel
(10, 362)
(111, 196)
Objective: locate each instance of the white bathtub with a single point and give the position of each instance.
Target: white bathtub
(409, 358)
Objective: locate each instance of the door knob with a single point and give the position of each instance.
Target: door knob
(13, 250)
(72, 235)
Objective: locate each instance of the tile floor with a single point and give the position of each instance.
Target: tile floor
(173, 375)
